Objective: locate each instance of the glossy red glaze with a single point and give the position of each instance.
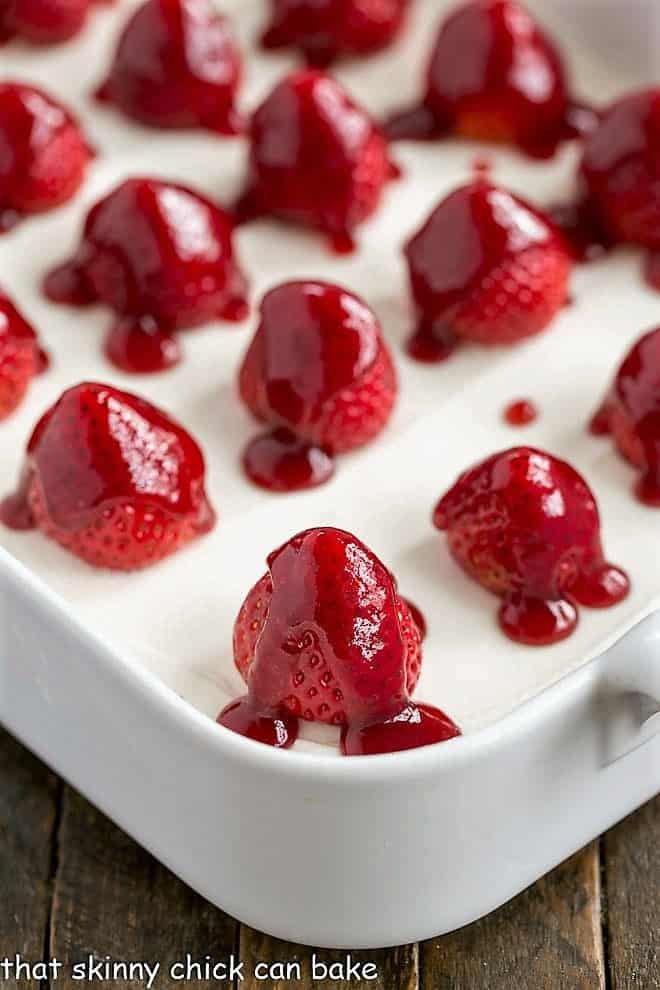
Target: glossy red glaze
(418, 617)
(112, 479)
(43, 154)
(631, 412)
(42, 22)
(327, 29)
(21, 357)
(316, 159)
(495, 76)
(526, 526)
(485, 267)
(176, 65)
(582, 229)
(161, 256)
(323, 636)
(318, 367)
(520, 412)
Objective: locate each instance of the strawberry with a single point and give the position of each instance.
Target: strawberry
(631, 413)
(21, 358)
(325, 637)
(318, 367)
(43, 155)
(162, 257)
(485, 267)
(251, 620)
(494, 76)
(42, 22)
(327, 29)
(526, 526)
(620, 169)
(112, 479)
(176, 65)
(316, 158)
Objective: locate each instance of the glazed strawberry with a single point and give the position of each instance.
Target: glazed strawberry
(316, 159)
(631, 413)
(620, 170)
(485, 267)
(494, 76)
(526, 526)
(327, 29)
(42, 22)
(161, 257)
(325, 637)
(21, 357)
(319, 372)
(252, 618)
(43, 154)
(112, 479)
(176, 65)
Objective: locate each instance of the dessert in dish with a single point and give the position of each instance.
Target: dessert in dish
(526, 526)
(196, 277)
(620, 173)
(176, 65)
(631, 413)
(328, 29)
(485, 267)
(43, 153)
(324, 636)
(21, 357)
(494, 76)
(319, 373)
(42, 22)
(316, 159)
(112, 479)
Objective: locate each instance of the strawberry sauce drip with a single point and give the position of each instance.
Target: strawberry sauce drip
(141, 347)
(520, 412)
(326, 645)
(280, 461)
(652, 269)
(431, 342)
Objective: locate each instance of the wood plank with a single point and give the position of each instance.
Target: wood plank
(631, 881)
(28, 806)
(395, 969)
(113, 899)
(548, 937)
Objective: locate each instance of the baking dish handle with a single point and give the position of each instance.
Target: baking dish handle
(631, 690)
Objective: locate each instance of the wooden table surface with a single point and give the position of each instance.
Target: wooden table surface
(72, 884)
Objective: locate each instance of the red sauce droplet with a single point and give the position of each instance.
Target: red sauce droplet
(15, 512)
(418, 618)
(520, 412)
(482, 166)
(141, 347)
(414, 726)
(537, 621)
(599, 424)
(43, 361)
(281, 462)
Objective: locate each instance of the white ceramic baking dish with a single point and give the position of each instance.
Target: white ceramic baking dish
(114, 680)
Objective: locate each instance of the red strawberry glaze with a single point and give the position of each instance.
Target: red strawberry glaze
(520, 412)
(42, 22)
(21, 357)
(176, 65)
(324, 637)
(316, 159)
(161, 257)
(319, 372)
(526, 526)
(43, 154)
(485, 267)
(112, 479)
(325, 30)
(495, 76)
(631, 413)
